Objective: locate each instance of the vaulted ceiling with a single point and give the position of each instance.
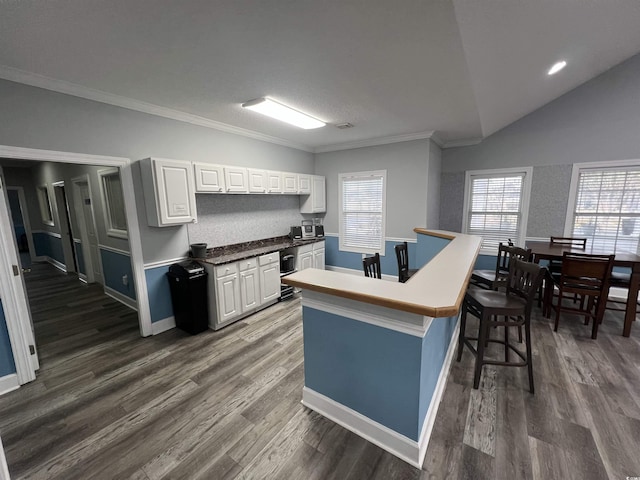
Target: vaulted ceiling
(394, 68)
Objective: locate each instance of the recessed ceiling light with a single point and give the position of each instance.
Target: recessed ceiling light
(557, 67)
(281, 112)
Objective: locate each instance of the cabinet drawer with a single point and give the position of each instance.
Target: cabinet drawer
(226, 269)
(248, 263)
(305, 248)
(269, 258)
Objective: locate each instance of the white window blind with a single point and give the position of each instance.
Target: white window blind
(114, 203)
(495, 208)
(362, 215)
(607, 209)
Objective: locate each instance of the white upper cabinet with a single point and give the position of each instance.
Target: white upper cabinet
(316, 201)
(169, 192)
(304, 184)
(289, 182)
(236, 180)
(274, 182)
(209, 178)
(257, 180)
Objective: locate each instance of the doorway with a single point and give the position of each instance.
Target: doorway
(21, 225)
(91, 262)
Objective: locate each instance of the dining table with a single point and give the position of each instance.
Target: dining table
(544, 250)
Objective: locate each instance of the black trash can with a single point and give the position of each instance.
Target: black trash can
(188, 284)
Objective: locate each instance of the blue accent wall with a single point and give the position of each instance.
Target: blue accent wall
(48, 245)
(115, 265)
(7, 365)
(428, 247)
(388, 262)
(80, 257)
(159, 293)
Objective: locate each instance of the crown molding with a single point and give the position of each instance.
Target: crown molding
(68, 88)
(372, 142)
(465, 142)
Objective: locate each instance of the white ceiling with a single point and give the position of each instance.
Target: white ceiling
(393, 68)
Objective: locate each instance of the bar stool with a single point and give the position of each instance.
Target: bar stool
(402, 255)
(514, 305)
(494, 279)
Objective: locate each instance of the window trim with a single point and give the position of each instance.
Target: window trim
(526, 198)
(106, 207)
(575, 176)
(45, 204)
(370, 173)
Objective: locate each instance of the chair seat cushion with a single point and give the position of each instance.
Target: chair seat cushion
(495, 303)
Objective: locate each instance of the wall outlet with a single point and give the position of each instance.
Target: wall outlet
(125, 280)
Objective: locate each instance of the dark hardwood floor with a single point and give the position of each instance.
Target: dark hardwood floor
(110, 404)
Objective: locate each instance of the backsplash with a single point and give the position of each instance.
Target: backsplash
(228, 219)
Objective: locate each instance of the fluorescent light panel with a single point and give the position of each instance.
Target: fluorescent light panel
(281, 112)
(557, 67)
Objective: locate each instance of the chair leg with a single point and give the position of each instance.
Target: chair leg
(463, 325)
(555, 325)
(482, 334)
(506, 340)
(527, 331)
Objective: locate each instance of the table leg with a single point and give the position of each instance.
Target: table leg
(632, 297)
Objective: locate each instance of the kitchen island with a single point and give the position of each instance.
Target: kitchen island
(377, 353)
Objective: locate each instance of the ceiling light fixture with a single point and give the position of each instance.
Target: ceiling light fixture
(276, 110)
(557, 67)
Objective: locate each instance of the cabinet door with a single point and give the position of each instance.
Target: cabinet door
(274, 182)
(257, 181)
(306, 261)
(249, 289)
(228, 296)
(270, 282)
(304, 184)
(289, 182)
(318, 255)
(236, 179)
(318, 196)
(169, 191)
(209, 178)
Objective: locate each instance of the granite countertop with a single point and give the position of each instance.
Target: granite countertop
(240, 251)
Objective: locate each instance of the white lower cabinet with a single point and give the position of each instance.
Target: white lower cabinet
(318, 255)
(239, 288)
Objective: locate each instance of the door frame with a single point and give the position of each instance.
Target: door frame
(84, 236)
(15, 306)
(25, 220)
(64, 220)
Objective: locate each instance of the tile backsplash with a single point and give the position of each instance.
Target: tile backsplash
(228, 219)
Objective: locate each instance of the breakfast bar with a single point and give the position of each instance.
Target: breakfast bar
(377, 353)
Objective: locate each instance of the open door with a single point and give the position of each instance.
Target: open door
(14, 297)
(87, 225)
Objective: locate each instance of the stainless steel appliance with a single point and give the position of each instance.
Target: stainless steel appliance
(287, 265)
(307, 229)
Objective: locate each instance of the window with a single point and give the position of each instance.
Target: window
(496, 206)
(362, 211)
(605, 207)
(114, 212)
(45, 205)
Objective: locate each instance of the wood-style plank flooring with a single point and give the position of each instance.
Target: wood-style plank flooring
(221, 405)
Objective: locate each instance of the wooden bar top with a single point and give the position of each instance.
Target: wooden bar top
(436, 290)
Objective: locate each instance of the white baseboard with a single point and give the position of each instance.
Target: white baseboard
(129, 302)
(163, 325)
(57, 264)
(399, 445)
(4, 469)
(360, 273)
(9, 383)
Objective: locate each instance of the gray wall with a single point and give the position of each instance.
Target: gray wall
(433, 186)
(598, 121)
(406, 164)
(36, 118)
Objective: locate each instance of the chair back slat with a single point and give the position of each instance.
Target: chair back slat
(402, 256)
(506, 253)
(524, 280)
(371, 266)
(576, 242)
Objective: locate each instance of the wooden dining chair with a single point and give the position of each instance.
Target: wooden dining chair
(514, 305)
(494, 279)
(586, 277)
(574, 242)
(402, 256)
(371, 266)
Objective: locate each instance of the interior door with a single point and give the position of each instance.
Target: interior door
(15, 300)
(87, 217)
